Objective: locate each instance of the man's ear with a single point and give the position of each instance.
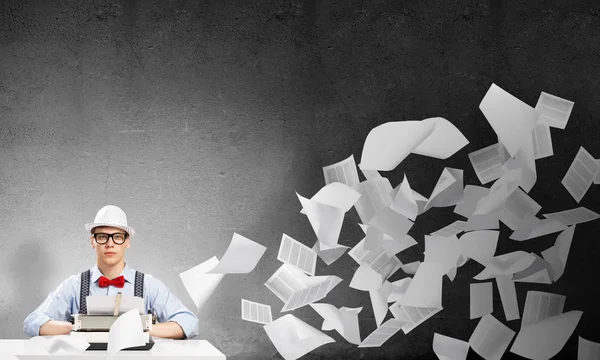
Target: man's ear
(128, 242)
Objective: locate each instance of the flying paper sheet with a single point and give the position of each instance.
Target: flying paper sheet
(508, 295)
(387, 145)
(375, 195)
(329, 255)
(448, 190)
(391, 223)
(295, 253)
(443, 251)
(479, 245)
(472, 195)
(125, 332)
(516, 207)
(450, 230)
(482, 222)
(337, 195)
(411, 268)
(500, 191)
(511, 119)
(538, 272)
(344, 172)
(199, 283)
(326, 221)
(425, 289)
(481, 300)
(542, 140)
(399, 288)
(491, 338)
(588, 350)
(448, 348)
(382, 333)
(241, 256)
(394, 246)
(555, 111)
(105, 305)
(379, 261)
(573, 216)
(540, 306)
(404, 201)
(343, 320)
(487, 163)
(366, 279)
(256, 312)
(532, 227)
(443, 142)
(543, 340)
(506, 264)
(379, 303)
(580, 174)
(557, 254)
(524, 160)
(294, 338)
(412, 315)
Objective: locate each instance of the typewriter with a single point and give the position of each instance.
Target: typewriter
(95, 328)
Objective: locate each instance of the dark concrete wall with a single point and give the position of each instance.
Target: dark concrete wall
(201, 118)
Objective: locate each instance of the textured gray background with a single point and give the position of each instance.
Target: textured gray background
(202, 118)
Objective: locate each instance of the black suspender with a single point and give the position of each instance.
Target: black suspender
(84, 291)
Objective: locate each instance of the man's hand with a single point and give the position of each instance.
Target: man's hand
(54, 327)
(167, 330)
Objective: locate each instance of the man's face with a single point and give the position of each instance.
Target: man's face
(109, 253)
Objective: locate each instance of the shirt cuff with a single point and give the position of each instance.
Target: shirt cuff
(188, 323)
(32, 326)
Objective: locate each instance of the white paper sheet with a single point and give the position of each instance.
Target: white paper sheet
(325, 220)
(379, 303)
(545, 339)
(472, 195)
(448, 348)
(555, 110)
(337, 195)
(382, 333)
(343, 320)
(379, 261)
(256, 312)
(442, 250)
(412, 315)
(443, 142)
(481, 301)
(482, 222)
(508, 296)
(394, 246)
(391, 223)
(588, 350)
(500, 191)
(125, 332)
(294, 338)
(387, 145)
(490, 338)
(241, 256)
(366, 279)
(399, 288)
(329, 255)
(487, 163)
(532, 227)
(580, 174)
(450, 230)
(511, 119)
(479, 245)
(411, 268)
(199, 283)
(573, 216)
(375, 194)
(541, 305)
(516, 207)
(105, 305)
(295, 253)
(557, 254)
(344, 172)
(448, 190)
(404, 200)
(524, 160)
(425, 289)
(542, 140)
(538, 272)
(506, 264)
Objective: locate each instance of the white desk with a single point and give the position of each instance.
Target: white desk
(163, 349)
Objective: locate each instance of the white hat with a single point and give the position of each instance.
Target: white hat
(112, 216)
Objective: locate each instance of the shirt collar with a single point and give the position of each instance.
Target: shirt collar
(128, 274)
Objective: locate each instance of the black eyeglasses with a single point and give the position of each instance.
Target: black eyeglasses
(102, 238)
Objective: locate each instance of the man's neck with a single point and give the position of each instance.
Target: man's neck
(111, 272)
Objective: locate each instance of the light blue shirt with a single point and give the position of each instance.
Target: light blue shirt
(64, 301)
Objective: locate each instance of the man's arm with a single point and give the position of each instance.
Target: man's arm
(50, 318)
(175, 320)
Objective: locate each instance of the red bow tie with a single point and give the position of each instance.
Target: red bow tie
(119, 281)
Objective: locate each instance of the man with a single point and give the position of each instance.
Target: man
(110, 237)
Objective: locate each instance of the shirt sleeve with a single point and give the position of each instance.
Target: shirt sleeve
(169, 308)
(57, 306)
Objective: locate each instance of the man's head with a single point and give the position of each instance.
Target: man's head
(110, 244)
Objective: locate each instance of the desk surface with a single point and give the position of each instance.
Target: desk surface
(17, 349)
